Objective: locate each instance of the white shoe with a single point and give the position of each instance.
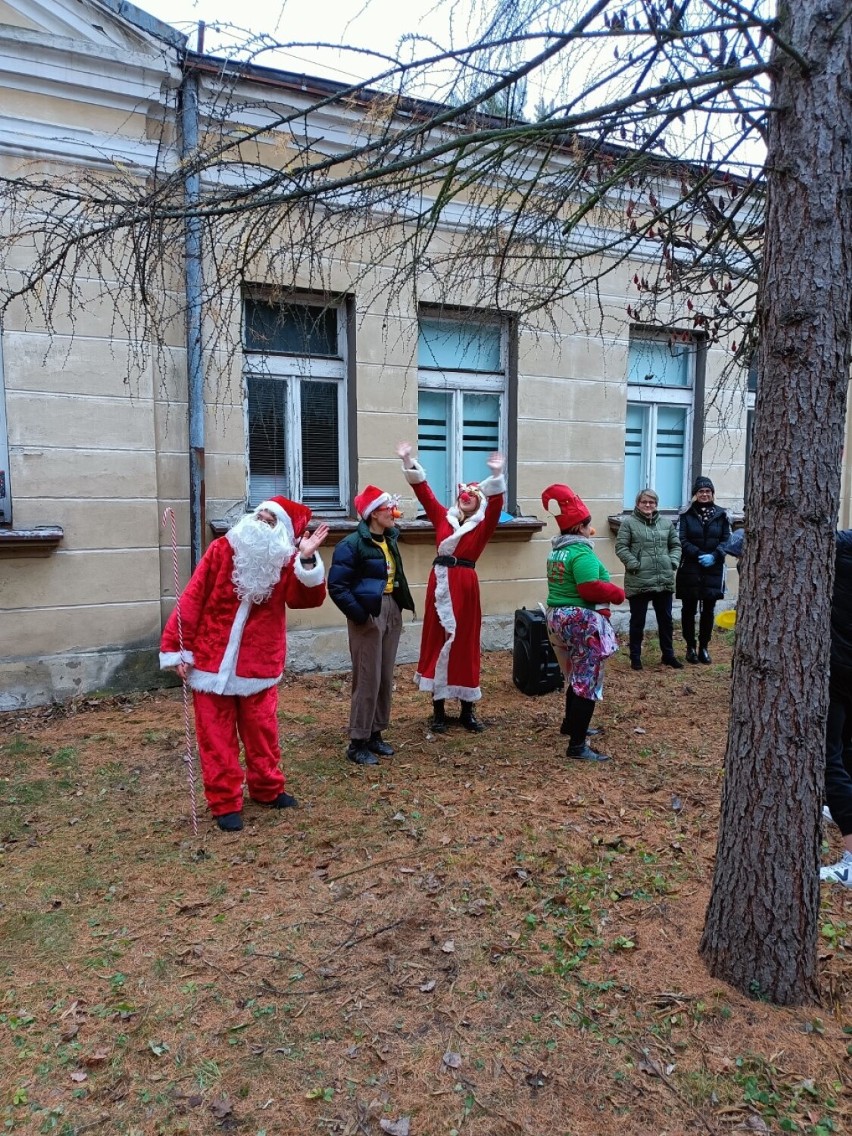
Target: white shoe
(839, 873)
(826, 815)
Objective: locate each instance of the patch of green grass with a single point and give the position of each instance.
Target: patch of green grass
(37, 932)
(788, 1104)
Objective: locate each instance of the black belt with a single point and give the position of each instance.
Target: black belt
(453, 562)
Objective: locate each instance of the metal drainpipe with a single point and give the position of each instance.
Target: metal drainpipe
(194, 284)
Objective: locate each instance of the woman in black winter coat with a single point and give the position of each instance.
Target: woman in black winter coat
(704, 528)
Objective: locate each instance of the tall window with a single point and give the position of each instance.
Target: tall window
(461, 372)
(295, 375)
(660, 384)
(5, 483)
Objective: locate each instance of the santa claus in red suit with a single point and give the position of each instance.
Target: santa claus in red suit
(449, 648)
(231, 621)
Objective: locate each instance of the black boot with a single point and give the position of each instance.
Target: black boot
(579, 717)
(691, 654)
(565, 727)
(635, 663)
(377, 744)
(438, 724)
(230, 822)
(469, 720)
(704, 655)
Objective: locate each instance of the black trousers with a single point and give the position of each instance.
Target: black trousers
(838, 756)
(688, 610)
(662, 603)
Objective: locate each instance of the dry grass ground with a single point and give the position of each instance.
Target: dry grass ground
(478, 937)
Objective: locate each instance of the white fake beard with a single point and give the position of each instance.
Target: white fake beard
(260, 552)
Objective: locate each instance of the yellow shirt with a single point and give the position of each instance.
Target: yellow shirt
(383, 545)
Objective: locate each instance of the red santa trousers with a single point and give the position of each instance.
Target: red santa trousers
(219, 718)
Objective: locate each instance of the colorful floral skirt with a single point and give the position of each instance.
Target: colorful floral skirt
(582, 638)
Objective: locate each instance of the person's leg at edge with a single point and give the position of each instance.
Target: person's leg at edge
(579, 717)
(838, 783)
(257, 722)
(390, 627)
(663, 610)
(638, 615)
(219, 756)
(688, 610)
(705, 630)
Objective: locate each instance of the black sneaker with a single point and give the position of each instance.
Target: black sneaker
(585, 753)
(230, 822)
(360, 754)
(376, 744)
(283, 801)
(674, 663)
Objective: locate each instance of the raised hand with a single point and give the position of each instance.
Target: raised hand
(496, 463)
(310, 542)
(404, 451)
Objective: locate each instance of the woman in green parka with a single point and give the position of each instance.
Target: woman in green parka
(649, 548)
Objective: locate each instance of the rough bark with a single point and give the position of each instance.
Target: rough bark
(762, 919)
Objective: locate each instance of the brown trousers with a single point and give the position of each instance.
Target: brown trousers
(372, 646)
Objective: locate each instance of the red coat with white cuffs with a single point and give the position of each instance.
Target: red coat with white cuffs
(235, 646)
(449, 663)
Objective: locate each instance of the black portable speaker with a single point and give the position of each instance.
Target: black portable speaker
(534, 666)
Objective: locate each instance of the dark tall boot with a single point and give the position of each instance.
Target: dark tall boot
(579, 718)
(636, 649)
(439, 718)
(469, 720)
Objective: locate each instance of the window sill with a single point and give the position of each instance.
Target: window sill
(737, 519)
(413, 532)
(40, 541)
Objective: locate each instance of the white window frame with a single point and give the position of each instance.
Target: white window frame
(459, 382)
(5, 472)
(655, 396)
(294, 370)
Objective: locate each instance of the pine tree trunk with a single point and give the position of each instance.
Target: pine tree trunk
(762, 919)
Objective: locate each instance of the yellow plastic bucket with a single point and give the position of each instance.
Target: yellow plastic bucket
(727, 619)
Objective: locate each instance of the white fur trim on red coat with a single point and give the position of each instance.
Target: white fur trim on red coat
(491, 486)
(416, 475)
(310, 577)
(175, 658)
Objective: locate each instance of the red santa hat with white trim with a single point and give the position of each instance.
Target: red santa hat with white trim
(371, 498)
(291, 514)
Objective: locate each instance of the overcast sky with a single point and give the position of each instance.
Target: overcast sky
(377, 24)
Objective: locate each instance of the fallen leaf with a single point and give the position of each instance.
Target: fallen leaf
(79, 1076)
(428, 987)
(448, 947)
(639, 730)
(96, 1058)
(452, 1060)
(401, 1127)
(221, 1107)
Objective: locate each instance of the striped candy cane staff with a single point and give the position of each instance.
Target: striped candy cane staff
(189, 760)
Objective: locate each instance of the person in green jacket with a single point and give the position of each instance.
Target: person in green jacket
(649, 548)
(579, 630)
